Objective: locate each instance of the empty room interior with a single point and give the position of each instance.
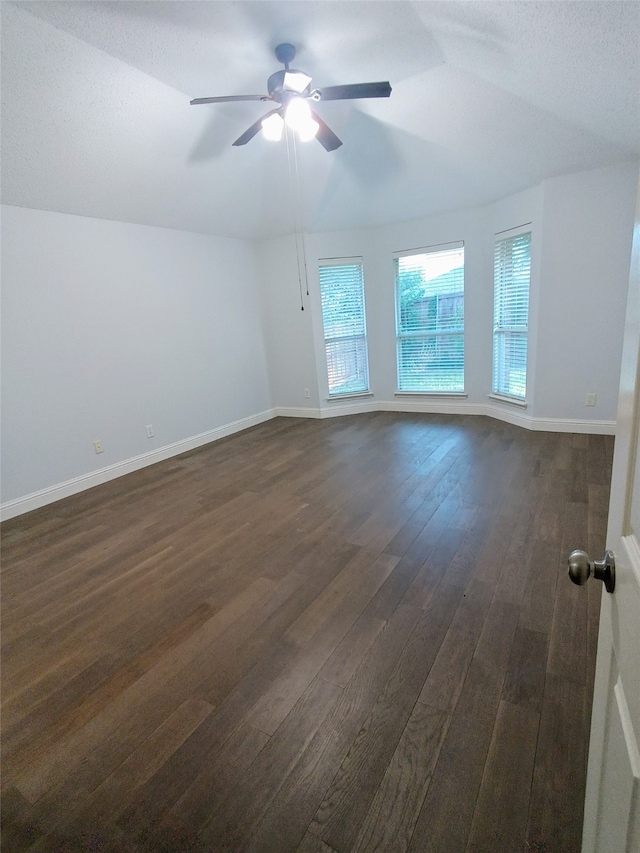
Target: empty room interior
(312, 334)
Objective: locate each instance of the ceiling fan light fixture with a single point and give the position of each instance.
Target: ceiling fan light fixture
(272, 127)
(298, 117)
(295, 81)
(298, 113)
(308, 131)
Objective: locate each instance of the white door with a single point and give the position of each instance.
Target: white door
(612, 802)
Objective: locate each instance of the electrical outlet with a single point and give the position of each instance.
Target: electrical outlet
(150, 432)
(591, 400)
(97, 446)
(306, 393)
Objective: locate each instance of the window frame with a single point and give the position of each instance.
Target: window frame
(427, 335)
(502, 330)
(356, 338)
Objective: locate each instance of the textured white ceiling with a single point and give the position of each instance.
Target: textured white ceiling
(488, 98)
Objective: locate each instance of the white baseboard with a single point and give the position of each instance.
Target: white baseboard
(291, 412)
(520, 419)
(10, 509)
(583, 427)
(333, 410)
(431, 406)
(443, 406)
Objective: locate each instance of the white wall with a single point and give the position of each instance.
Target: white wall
(289, 330)
(108, 327)
(586, 248)
(581, 240)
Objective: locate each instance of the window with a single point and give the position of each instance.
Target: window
(430, 319)
(512, 273)
(345, 331)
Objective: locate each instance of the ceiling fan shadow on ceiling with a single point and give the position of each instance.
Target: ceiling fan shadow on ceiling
(291, 91)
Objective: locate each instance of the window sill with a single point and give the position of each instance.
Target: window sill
(512, 401)
(430, 394)
(355, 394)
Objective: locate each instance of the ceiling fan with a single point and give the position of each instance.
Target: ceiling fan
(291, 91)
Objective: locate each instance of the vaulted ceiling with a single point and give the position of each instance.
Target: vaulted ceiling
(488, 98)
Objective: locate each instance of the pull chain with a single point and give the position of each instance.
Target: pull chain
(304, 252)
(294, 182)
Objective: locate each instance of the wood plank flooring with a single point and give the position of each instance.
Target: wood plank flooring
(328, 636)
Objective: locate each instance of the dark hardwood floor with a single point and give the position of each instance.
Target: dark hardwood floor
(333, 636)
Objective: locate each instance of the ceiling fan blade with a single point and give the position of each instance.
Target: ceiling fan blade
(226, 98)
(325, 136)
(355, 90)
(256, 127)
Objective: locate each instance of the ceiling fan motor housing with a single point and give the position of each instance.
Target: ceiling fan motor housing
(276, 88)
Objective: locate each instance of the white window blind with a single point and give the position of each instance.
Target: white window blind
(430, 319)
(512, 274)
(345, 332)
